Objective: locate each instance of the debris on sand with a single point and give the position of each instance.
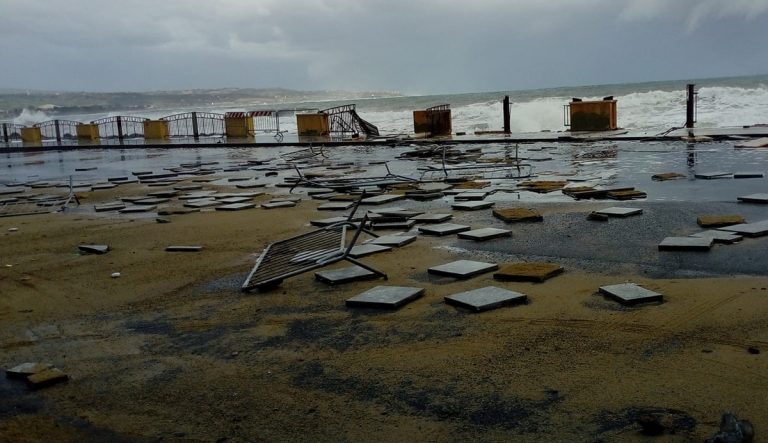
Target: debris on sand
(664, 176)
(733, 430)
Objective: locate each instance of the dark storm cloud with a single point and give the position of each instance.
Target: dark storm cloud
(409, 46)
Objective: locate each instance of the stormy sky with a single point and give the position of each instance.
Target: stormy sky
(409, 46)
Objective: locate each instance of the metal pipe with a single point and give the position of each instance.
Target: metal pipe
(58, 130)
(120, 128)
(690, 108)
(195, 133)
(507, 129)
(5, 132)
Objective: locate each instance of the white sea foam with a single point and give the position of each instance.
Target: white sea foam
(30, 117)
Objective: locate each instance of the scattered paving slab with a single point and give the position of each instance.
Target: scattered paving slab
(345, 275)
(443, 229)
(720, 236)
(667, 176)
(335, 206)
(754, 198)
(328, 221)
(510, 215)
(473, 196)
(630, 293)
(197, 195)
(472, 205)
(394, 240)
(46, 378)
(381, 199)
(594, 216)
(432, 218)
(24, 370)
(128, 181)
(713, 175)
(137, 209)
(463, 268)
(188, 187)
(717, 221)
(275, 205)
(487, 298)
(485, 234)
(391, 297)
(176, 210)
(183, 248)
(94, 249)
(233, 200)
(151, 201)
(162, 220)
(166, 193)
(236, 206)
(286, 198)
(397, 212)
(528, 271)
(360, 251)
(757, 229)
(404, 224)
(103, 186)
(748, 174)
(686, 244)
(109, 207)
(202, 203)
(619, 212)
(424, 196)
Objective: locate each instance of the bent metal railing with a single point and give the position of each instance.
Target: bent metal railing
(121, 127)
(10, 132)
(195, 124)
(344, 119)
(58, 129)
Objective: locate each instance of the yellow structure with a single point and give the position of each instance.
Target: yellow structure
(432, 122)
(31, 135)
(238, 125)
(597, 115)
(87, 131)
(315, 124)
(156, 130)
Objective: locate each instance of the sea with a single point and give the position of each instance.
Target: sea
(722, 102)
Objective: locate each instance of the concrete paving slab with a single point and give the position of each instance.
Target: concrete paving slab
(397, 212)
(233, 200)
(46, 378)
(381, 199)
(619, 212)
(236, 207)
(720, 236)
(103, 186)
(188, 187)
(151, 201)
(393, 240)
(328, 221)
(345, 275)
(717, 221)
(423, 196)
(443, 229)
(405, 224)
(197, 195)
(754, 198)
(391, 297)
(202, 203)
(109, 207)
(94, 249)
(335, 206)
(485, 234)
(282, 204)
(432, 218)
(713, 175)
(24, 370)
(528, 271)
(487, 298)
(686, 244)
(359, 251)
(472, 205)
(250, 185)
(166, 193)
(463, 268)
(183, 248)
(137, 209)
(630, 293)
(471, 195)
(510, 215)
(748, 174)
(757, 229)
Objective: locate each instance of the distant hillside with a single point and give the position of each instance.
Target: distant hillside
(13, 101)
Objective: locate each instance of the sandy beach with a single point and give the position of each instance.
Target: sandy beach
(173, 351)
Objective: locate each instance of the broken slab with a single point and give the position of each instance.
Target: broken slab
(393, 240)
(188, 187)
(336, 206)
(250, 185)
(236, 207)
(757, 229)
(367, 249)
(754, 198)
(720, 236)
(164, 193)
(404, 224)
(471, 195)
(667, 176)
(46, 378)
(432, 218)
(463, 268)
(397, 212)
(748, 174)
(183, 248)
(630, 293)
(487, 298)
(686, 244)
(756, 143)
(202, 203)
(713, 175)
(485, 234)
(232, 200)
(528, 271)
(619, 212)
(24, 370)
(381, 199)
(717, 221)
(472, 205)
(137, 209)
(109, 207)
(443, 229)
(281, 204)
(103, 186)
(94, 249)
(391, 297)
(510, 215)
(345, 275)
(328, 221)
(151, 201)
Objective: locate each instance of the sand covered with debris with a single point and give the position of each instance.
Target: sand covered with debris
(172, 350)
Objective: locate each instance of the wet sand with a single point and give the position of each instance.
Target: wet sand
(173, 351)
